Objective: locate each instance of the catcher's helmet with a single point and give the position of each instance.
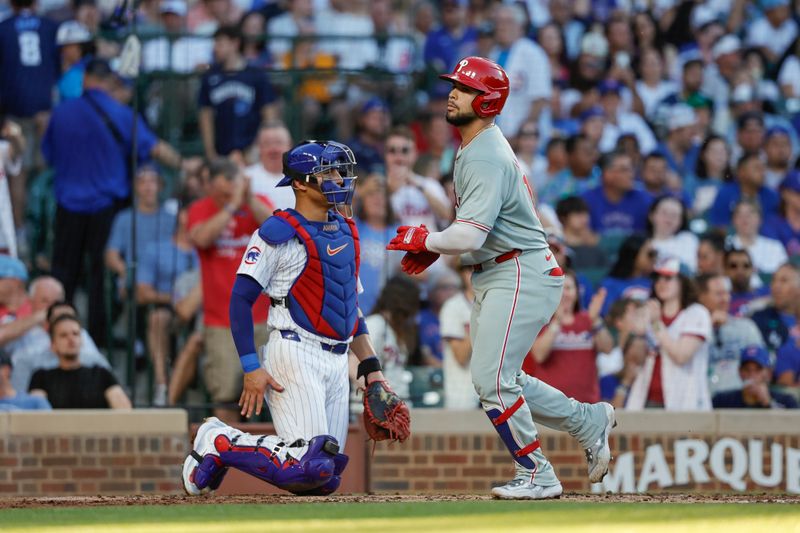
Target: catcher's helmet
(309, 158)
(485, 76)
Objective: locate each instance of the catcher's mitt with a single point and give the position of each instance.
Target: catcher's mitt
(386, 416)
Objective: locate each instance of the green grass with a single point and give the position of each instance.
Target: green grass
(425, 517)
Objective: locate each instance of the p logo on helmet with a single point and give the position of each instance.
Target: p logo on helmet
(485, 76)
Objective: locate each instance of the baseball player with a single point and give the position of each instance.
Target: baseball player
(307, 260)
(517, 285)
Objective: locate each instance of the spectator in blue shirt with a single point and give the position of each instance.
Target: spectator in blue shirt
(616, 206)
(234, 99)
(29, 67)
(630, 275)
(13, 400)
(161, 264)
(679, 148)
(738, 266)
(580, 175)
(449, 43)
(787, 364)
(754, 369)
(785, 224)
(154, 225)
(777, 320)
(76, 46)
(375, 222)
(749, 184)
(88, 143)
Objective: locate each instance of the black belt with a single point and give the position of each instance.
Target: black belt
(279, 302)
(338, 348)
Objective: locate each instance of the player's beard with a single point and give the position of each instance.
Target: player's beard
(459, 118)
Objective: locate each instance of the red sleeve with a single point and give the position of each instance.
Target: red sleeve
(266, 201)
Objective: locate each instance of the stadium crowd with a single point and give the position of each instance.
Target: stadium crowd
(661, 138)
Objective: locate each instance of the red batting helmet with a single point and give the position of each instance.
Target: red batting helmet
(485, 76)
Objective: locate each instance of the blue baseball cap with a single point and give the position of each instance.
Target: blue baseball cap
(11, 267)
(791, 181)
(372, 104)
(766, 5)
(609, 86)
(756, 354)
(592, 112)
(777, 130)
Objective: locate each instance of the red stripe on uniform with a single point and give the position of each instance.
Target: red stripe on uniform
(476, 224)
(508, 413)
(530, 448)
(505, 340)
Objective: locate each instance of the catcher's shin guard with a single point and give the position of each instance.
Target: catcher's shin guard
(500, 422)
(277, 466)
(209, 473)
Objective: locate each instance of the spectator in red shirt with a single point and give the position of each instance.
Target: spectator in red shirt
(564, 354)
(220, 226)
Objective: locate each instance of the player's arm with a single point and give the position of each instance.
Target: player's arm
(255, 273)
(369, 365)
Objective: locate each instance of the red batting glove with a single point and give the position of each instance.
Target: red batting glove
(416, 263)
(409, 239)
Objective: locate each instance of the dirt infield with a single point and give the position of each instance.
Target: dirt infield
(575, 497)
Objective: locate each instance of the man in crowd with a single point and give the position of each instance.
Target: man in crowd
(373, 125)
(415, 199)
(272, 141)
(72, 385)
(92, 181)
(778, 318)
(234, 99)
(12, 399)
(580, 175)
(616, 206)
(739, 269)
(154, 224)
(730, 334)
(755, 371)
(220, 226)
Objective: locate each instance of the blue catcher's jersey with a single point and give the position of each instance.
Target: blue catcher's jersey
(29, 64)
(323, 299)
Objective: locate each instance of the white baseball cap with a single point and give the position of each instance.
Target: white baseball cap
(680, 116)
(178, 7)
(727, 44)
(594, 44)
(72, 32)
(702, 15)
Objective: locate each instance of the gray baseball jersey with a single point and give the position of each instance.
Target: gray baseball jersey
(514, 300)
(493, 194)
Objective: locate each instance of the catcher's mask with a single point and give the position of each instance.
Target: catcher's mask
(327, 164)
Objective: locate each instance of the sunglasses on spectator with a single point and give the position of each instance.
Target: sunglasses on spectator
(736, 266)
(405, 150)
(652, 253)
(529, 133)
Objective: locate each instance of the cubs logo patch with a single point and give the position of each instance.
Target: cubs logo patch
(252, 255)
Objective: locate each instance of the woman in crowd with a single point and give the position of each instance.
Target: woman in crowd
(375, 222)
(667, 228)
(712, 170)
(526, 148)
(630, 275)
(651, 87)
(393, 330)
(675, 374)
(767, 254)
(552, 42)
(565, 351)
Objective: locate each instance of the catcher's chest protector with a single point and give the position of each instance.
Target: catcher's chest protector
(324, 298)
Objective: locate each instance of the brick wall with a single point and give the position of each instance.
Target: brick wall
(92, 452)
(461, 453)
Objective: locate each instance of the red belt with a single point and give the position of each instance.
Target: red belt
(502, 258)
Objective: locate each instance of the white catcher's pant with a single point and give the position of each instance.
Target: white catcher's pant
(315, 399)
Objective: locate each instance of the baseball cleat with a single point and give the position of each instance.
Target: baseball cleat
(522, 489)
(204, 456)
(599, 454)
